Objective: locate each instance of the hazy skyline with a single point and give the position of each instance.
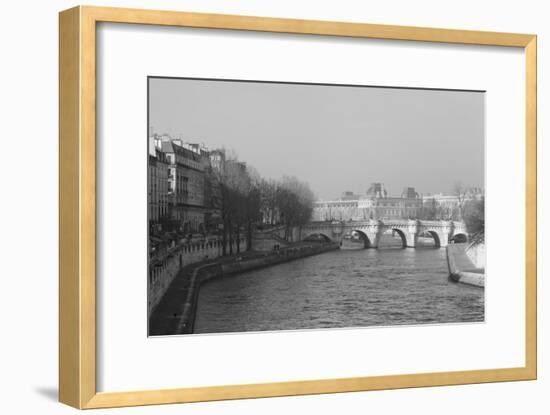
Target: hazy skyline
(336, 138)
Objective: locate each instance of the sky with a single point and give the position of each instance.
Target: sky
(336, 138)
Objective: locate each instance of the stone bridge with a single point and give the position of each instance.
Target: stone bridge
(442, 232)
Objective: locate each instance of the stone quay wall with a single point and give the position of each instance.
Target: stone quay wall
(163, 271)
(476, 253)
(461, 267)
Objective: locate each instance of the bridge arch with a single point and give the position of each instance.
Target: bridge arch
(317, 237)
(437, 238)
(366, 240)
(459, 238)
(402, 235)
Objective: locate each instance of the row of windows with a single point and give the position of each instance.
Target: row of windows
(347, 214)
(157, 211)
(366, 204)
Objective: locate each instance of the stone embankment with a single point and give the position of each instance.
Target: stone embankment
(163, 268)
(175, 313)
(461, 267)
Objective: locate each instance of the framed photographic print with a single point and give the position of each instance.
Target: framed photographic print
(255, 207)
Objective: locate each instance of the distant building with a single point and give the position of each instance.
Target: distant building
(409, 193)
(336, 210)
(374, 204)
(211, 190)
(450, 201)
(217, 160)
(390, 207)
(377, 190)
(349, 196)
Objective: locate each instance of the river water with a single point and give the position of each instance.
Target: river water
(372, 287)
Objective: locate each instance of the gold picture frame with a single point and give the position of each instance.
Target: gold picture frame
(77, 213)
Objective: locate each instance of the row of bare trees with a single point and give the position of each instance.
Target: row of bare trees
(247, 200)
(287, 202)
(466, 208)
(433, 210)
(470, 209)
(474, 216)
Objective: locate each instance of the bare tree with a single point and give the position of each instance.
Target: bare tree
(237, 185)
(226, 176)
(295, 203)
(474, 216)
(239, 200)
(268, 201)
(460, 192)
(246, 200)
(252, 211)
(429, 209)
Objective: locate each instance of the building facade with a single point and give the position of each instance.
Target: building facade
(182, 185)
(157, 170)
(186, 185)
(376, 204)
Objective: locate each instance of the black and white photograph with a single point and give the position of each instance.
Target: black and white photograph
(263, 207)
(296, 206)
